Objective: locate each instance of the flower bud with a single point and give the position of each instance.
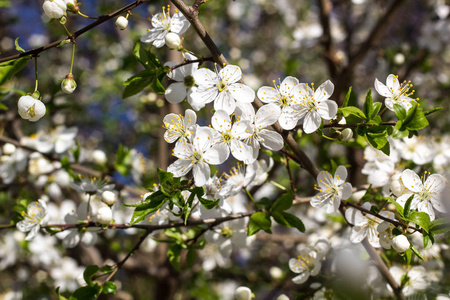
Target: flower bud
(121, 23)
(276, 273)
(72, 6)
(68, 85)
(396, 185)
(243, 293)
(30, 109)
(173, 40)
(8, 149)
(109, 197)
(104, 215)
(283, 297)
(346, 135)
(54, 9)
(400, 243)
(99, 157)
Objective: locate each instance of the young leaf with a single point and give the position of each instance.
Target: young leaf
(283, 202)
(109, 288)
(258, 221)
(86, 293)
(406, 209)
(428, 240)
(417, 253)
(420, 218)
(288, 220)
(18, 48)
(368, 105)
(440, 226)
(347, 97)
(10, 68)
(400, 112)
(89, 273)
(174, 253)
(352, 111)
(397, 206)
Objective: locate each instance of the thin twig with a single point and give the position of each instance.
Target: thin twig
(100, 20)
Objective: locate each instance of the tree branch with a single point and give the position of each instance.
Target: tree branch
(100, 20)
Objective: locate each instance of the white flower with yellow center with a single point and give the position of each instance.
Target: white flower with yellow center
(179, 128)
(332, 190)
(365, 225)
(162, 24)
(35, 217)
(266, 116)
(314, 104)
(282, 95)
(198, 156)
(416, 280)
(30, 108)
(222, 87)
(395, 92)
(306, 264)
(426, 190)
(233, 135)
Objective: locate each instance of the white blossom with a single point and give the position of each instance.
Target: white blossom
(395, 92)
(121, 23)
(179, 128)
(426, 192)
(332, 190)
(222, 87)
(400, 243)
(35, 217)
(31, 109)
(314, 104)
(198, 155)
(162, 24)
(54, 9)
(417, 279)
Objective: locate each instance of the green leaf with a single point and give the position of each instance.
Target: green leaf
(86, 293)
(420, 218)
(428, 240)
(408, 255)
(63, 43)
(174, 253)
(368, 105)
(397, 205)
(135, 84)
(406, 208)
(10, 68)
(207, 203)
(145, 56)
(428, 112)
(283, 202)
(378, 141)
(400, 112)
(376, 110)
(440, 226)
(418, 121)
(18, 48)
(399, 132)
(288, 220)
(60, 297)
(352, 111)
(109, 288)
(258, 221)
(347, 97)
(89, 273)
(190, 257)
(146, 207)
(417, 253)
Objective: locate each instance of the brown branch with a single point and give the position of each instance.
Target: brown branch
(325, 7)
(186, 62)
(100, 20)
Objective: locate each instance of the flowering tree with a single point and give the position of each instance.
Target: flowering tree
(286, 190)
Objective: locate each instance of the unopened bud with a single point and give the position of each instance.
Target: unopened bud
(396, 185)
(173, 40)
(121, 23)
(68, 85)
(8, 149)
(400, 243)
(63, 20)
(283, 297)
(72, 6)
(243, 293)
(108, 197)
(346, 135)
(99, 157)
(104, 215)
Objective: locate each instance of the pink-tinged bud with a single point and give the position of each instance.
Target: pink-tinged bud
(72, 6)
(121, 23)
(68, 85)
(400, 243)
(173, 40)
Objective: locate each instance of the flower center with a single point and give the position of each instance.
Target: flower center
(227, 137)
(31, 111)
(222, 86)
(189, 81)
